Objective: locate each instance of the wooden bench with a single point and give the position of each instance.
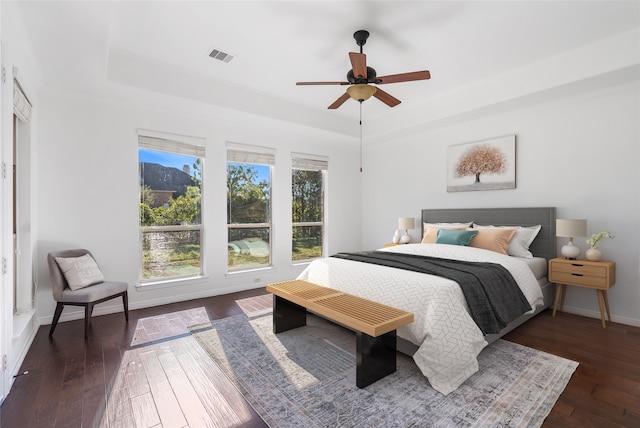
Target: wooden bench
(375, 324)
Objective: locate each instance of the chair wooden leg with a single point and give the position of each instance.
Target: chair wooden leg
(56, 317)
(125, 303)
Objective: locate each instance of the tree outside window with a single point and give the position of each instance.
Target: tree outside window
(307, 216)
(248, 209)
(170, 210)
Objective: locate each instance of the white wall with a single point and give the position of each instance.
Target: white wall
(579, 154)
(88, 187)
(16, 333)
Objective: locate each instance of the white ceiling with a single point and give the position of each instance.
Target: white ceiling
(164, 46)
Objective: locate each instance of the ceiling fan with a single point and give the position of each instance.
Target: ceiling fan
(360, 78)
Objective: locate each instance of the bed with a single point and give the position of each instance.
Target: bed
(444, 339)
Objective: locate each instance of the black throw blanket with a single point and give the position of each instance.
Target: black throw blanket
(493, 296)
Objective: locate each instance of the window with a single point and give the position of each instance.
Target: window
(307, 210)
(249, 206)
(171, 228)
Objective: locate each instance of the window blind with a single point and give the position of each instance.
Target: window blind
(309, 162)
(21, 105)
(242, 153)
(172, 144)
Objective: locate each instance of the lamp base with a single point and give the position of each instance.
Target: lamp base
(405, 239)
(570, 251)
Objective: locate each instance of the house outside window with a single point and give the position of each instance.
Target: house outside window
(249, 223)
(308, 176)
(171, 227)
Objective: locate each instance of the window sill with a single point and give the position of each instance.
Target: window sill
(250, 272)
(301, 264)
(181, 282)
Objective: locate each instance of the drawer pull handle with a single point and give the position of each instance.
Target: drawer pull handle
(577, 274)
(576, 264)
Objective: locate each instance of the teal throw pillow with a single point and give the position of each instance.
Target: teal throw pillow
(455, 237)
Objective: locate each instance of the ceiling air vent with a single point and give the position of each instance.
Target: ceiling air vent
(224, 57)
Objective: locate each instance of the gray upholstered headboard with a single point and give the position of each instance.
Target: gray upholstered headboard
(543, 246)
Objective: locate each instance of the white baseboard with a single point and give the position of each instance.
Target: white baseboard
(596, 314)
(116, 306)
(20, 345)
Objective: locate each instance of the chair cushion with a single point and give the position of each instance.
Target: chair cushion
(80, 271)
(95, 292)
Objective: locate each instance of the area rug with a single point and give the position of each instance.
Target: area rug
(306, 378)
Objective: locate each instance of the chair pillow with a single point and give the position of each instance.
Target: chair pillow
(80, 272)
(455, 237)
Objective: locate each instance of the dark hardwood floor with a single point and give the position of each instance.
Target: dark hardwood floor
(148, 372)
(151, 373)
(605, 389)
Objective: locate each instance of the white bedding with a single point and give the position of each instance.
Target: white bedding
(538, 266)
(449, 340)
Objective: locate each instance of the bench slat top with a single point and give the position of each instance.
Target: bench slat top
(364, 315)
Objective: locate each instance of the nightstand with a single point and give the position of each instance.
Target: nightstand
(583, 273)
(390, 244)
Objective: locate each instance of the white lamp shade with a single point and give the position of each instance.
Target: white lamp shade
(571, 227)
(406, 223)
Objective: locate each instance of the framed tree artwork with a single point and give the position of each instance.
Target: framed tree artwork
(482, 165)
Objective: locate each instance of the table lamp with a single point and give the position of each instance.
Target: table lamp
(569, 228)
(406, 223)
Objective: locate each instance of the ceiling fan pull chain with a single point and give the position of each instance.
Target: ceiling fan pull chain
(360, 136)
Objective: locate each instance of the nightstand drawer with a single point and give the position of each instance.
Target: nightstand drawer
(578, 279)
(575, 267)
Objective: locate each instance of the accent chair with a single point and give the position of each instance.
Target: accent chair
(76, 280)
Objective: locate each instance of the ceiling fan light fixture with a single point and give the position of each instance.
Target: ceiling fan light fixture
(361, 92)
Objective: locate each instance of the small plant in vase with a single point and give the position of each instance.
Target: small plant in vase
(593, 253)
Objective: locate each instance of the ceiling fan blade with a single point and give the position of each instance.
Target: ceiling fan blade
(389, 100)
(358, 64)
(322, 83)
(403, 77)
(337, 103)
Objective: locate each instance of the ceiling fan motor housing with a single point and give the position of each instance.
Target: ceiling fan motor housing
(371, 77)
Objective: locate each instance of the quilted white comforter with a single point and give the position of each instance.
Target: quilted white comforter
(449, 340)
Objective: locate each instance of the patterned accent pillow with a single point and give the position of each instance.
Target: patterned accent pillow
(80, 271)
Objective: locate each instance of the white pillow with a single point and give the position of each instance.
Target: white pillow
(430, 230)
(445, 225)
(80, 272)
(519, 244)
